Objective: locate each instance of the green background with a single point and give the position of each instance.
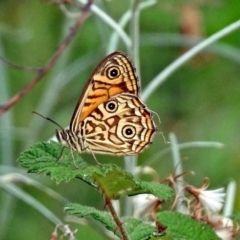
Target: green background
(198, 102)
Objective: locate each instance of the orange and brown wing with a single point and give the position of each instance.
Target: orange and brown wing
(114, 75)
(123, 125)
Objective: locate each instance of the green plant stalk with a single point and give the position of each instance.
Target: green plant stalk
(110, 22)
(161, 77)
(114, 39)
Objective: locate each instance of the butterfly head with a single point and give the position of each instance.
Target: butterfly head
(63, 137)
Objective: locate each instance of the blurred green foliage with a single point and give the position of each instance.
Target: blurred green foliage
(199, 102)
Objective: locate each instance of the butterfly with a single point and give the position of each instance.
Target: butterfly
(109, 117)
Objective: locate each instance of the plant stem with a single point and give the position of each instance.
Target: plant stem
(116, 219)
(50, 63)
(161, 77)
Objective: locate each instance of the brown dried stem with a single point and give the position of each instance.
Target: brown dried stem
(16, 66)
(44, 70)
(116, 219)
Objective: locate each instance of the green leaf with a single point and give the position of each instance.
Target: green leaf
(138, 230)
(161, 191)
(111, 180)
(116, 183)
(102, 216)
(180, 226)
(52, 159)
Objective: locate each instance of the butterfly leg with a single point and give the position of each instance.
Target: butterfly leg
(60, 154)
(90, 150)
(98, 163)
(74, 162)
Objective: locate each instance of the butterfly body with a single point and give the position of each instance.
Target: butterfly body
(110, 117)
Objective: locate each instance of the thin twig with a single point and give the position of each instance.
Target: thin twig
(116, 219)
(43, 71)
(14, 65)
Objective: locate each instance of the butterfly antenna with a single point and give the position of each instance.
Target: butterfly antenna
(49, 119)
(159, 120)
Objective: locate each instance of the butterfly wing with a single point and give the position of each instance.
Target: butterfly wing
(114, 75)
(121, 126)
